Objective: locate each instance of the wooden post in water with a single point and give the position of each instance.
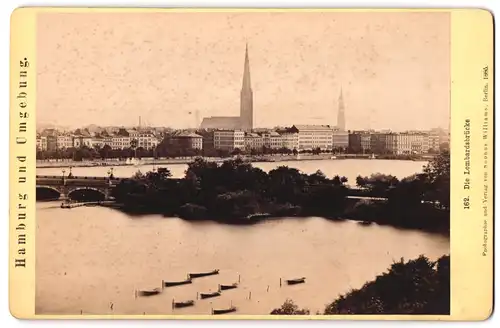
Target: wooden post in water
(239, 278)
(268, 288)
(280, 282)
(249, 295)
(173, 302)
(197, 295)
(162, 284)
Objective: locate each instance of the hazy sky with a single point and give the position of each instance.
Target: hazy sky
(109, 69)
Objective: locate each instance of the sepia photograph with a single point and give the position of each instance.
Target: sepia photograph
(243, 163)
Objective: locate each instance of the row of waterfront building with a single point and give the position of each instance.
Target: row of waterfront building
(121, 139)
(296, 137)
(326, 138)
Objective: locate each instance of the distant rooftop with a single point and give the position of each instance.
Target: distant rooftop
(312, 127)
(187, 135)
(221, 122)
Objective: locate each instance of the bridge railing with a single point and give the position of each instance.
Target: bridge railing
(76, 177)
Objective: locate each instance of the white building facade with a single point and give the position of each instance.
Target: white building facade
(253, 141)
(229, 139)
(289, 139)
(82, 141)
(340, 139)
(120, 142)
(410, 143)
(41, 143)
(64, 141)
(314, 137)
(146, 140)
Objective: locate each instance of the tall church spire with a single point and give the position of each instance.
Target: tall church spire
(246, 100)
(341, 112)
(247, 85)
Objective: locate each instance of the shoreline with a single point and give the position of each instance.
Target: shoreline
(184, 161)
(255, 218)
(409, 203)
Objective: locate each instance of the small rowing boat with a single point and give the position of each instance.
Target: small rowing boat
(296, 281)
(209, 295)
(203, 274)
(224, 311)
(258, 216)
(365, 223)
(151, 292)
(226, 287)
(176, 283)
(182, 304)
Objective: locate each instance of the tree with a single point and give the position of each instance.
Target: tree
(437, 173)
(408, 193)
(290, 308)
(133, 145)
(286, 184)
(140, 152)
(438, 167)
(236, 151)
(377, 183)
(317, 177)
(105, 152)
(418, 286)
(236, 205)
(162, 174)
(84, 153)
(223, 153)
(339, 181)
(209, 152)
(444, 147)
(138, 175)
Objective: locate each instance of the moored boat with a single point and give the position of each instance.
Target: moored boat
(224, 311)
(176, 283)
(209, 295)
(226, 287)
(365, 223)
(296, 281)
(151, 292)
(258, 216)
(182, 304)
(203, 274)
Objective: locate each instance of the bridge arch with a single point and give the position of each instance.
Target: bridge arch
(49, 188)
(86, 193)
(47, 193)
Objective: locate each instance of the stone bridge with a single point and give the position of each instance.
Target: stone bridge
(66, 185)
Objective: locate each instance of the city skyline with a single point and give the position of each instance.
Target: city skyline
(121, 68)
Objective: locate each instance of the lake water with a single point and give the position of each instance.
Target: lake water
(349, 168)
(90, 257)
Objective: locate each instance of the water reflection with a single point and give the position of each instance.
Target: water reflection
(90, 256)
